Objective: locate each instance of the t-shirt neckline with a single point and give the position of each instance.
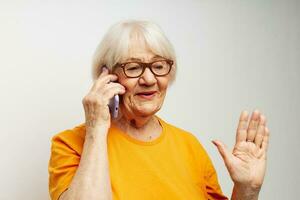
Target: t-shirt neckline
(139, 142)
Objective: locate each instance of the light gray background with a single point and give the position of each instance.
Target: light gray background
(232, 55)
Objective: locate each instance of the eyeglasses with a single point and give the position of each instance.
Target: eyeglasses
(136, 69)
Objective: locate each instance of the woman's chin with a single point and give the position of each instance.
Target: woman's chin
(145, 111)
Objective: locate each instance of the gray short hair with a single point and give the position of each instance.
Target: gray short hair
(115, 45)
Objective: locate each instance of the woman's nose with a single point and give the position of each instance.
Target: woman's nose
(147, 78)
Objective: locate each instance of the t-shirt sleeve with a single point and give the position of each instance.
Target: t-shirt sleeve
(63, 164)
(212, 186)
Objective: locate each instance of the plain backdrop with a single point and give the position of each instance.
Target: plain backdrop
(232, 55)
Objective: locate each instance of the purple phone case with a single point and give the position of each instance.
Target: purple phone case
(113, 103)
(114, 106)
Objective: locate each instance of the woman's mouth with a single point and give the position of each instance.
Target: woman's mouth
(146, 95)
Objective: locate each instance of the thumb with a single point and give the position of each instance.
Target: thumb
(223, 150)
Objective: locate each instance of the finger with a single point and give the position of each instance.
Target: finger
(260, 131)
(113, 86)
(113, 89)
(104, 70)
(253, 124)
(241, 133)
(105, 79)
(223, 150)
(265, 142)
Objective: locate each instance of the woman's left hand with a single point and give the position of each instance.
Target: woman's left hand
(246, 164)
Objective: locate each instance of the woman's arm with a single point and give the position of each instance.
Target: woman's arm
(244, 193)
(246, 164)
(91, 180)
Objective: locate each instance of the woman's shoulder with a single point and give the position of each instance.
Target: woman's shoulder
(181, 133)
(72, 138)
(76, 131)
(186, 141)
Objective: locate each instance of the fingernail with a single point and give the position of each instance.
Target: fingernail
(104, 68)
(245, 112)
(214, 142)
(256, 111)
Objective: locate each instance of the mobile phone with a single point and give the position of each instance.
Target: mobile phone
(113, 103)
(114, 106)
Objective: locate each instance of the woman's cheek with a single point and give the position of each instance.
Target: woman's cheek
(125, 98)
(129, 100)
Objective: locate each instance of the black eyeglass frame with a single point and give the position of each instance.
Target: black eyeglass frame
(145, 65)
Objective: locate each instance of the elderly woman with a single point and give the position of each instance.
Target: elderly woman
(137, 155)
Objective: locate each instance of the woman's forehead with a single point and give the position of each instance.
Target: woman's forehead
(140, 53)
(144, 58)
(138, 49)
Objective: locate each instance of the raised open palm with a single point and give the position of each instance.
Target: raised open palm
(246, 163)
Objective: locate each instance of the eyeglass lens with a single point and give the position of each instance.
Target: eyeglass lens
(134, 69)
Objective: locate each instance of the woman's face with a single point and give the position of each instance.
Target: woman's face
(144, 95)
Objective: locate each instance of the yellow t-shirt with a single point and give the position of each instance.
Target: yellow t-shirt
(174, 166)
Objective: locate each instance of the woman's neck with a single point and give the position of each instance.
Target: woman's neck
(141, 128)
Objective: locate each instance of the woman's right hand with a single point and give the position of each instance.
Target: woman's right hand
(96, 102)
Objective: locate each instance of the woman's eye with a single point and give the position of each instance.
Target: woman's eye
(132, 68)
(159, 67)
